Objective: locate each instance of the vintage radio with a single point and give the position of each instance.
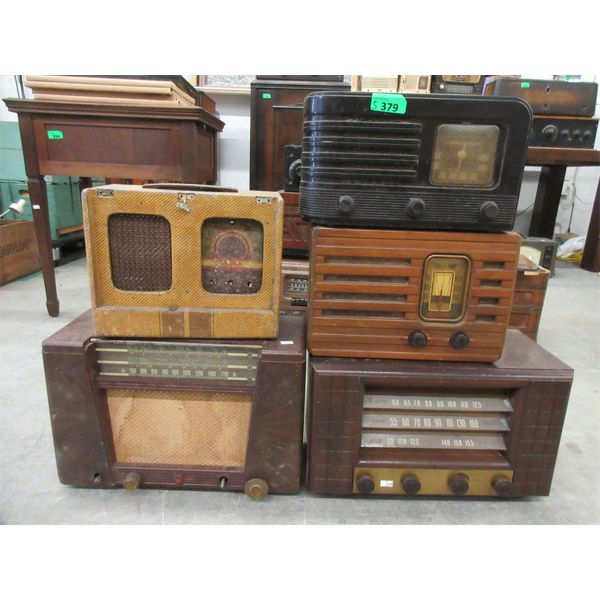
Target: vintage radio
(528, 300)
(549, 97)
(293, 166)
(563, 132)
(419, 162)
(414, 84)
(179, 261)
(185, 414)
(458, 84)
(541, 251)
(409, 427)
(296, 231)
(294, 284)
(410, 294)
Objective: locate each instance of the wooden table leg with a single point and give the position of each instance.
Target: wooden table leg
(547, 200)
(591, 251)
(41, 224)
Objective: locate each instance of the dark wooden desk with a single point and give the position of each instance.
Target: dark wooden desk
(112, 141)
(554, 163)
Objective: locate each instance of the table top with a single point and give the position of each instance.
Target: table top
(567, 157)
(84, 109)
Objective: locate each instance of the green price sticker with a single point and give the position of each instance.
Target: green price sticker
(389, 103)
(267, 96)
(525, 84)
(55, 134)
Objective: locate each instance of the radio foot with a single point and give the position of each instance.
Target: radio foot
(256, 489)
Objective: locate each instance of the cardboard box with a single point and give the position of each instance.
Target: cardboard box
(18, 250)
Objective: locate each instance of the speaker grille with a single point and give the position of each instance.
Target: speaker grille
(179, 428)
(140, 252)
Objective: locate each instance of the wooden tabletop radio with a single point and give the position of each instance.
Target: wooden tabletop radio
(179, 261)
(189, 414)
(423, 161)
(294, 284)
(426, 295)
(412, 427)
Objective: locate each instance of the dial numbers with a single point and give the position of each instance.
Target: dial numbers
(465, 155)
(444, 287)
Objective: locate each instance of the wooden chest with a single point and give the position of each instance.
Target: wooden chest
(18, 250)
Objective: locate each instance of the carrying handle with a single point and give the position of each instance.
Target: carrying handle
(188, 187)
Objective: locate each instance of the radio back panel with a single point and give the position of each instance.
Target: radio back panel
(439, 163)
(175, 263)
(410, 294)
(409, 427)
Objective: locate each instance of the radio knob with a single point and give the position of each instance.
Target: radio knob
(459, 484)
(488, 211)
(502, 486)
(564, 133)
(577, 134)
(294, 170)
(346, 205)
(411, 484)
(417, 339)
(550, 132)
(415, 207)
(459, 340)
(365, 484)
(132, 481)
(256, 489)
(587, 134)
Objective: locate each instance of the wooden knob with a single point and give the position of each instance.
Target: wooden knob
(411, 485)
(256, 489)
(132, 481)
(365, 484)
(459, 484)
(502, 486)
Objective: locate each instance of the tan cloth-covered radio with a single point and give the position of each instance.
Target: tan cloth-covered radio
(179, 261)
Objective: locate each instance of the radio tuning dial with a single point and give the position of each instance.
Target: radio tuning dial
(502, 486)
(417, 339)
(488, 211)
(132, 481)
(415, 207)
(411, 485)
(459, 484)
(459, 340)
(365, 484)
(346, 205)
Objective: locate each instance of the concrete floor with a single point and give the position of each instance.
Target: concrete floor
(31, 493)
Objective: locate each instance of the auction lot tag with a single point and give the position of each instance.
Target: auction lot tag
(389, 103)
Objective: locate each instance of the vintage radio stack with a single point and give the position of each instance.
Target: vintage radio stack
(412, 199)
(184, 374)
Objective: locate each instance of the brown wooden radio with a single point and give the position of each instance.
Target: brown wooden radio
(179, 261)
(427, 295)
(184, 414)
(296, 231)
(294, 284)
(410, 427)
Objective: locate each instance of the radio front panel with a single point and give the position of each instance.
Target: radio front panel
(177, 414)
(175, 263)
(410, 294)
(294, 284)
(414, 428)
(420, 161)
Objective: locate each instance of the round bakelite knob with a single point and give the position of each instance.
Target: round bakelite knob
(415, 207)
(459, 484)
(411, 484)
(132, 481)
(417, 339)
(550, 132)
(294, 170)
(488, 210)
(256, 489)
(502, 486)
(365, 484)
(346, 204)
(459, 340)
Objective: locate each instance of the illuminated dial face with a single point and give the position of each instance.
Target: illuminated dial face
(465, 155)
(462, 78)
(533, 254)
(444, 287)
